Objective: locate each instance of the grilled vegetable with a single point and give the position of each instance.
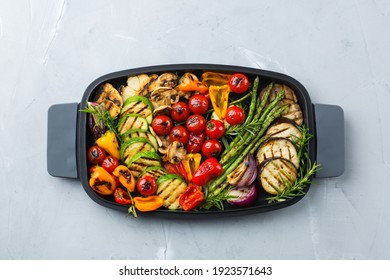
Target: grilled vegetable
(136, 85)
(245, 174)
(219, 96)
(111, 99)
(125, 177)
(191, 197)
(146, 185)
(162, 96)
(284, 128)
(143, 160)
(176, 152)
(242, 196)
(138, 105)
(109, 143)
(189, 82)
(96, 119)
(276, 88)
(134, 146)
(208, 170)
(102, 182)
(149, 203)
(132, 121)
(191, 163)
(154, 171)
(170, 187)
(133, 133)
(122, 197)
(276, 174)
(278, 147)
(215, 79)
(293, 111)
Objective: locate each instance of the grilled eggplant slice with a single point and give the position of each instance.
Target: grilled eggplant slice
(133, 146)
(143, 160)
(170, 187)
(277, 148)
(132, 133)
(276, 88)
(284, 128)
(276, 174)
(292, 112)
(138, 105)
(132, 121)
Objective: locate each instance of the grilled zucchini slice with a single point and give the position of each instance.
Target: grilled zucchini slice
(138, 163)
(170, 187)
(276, 174)
(138, 105)
(278, 148)
(155, 171)
(132, 133)
(284, 128)
(132, 121)
(134, 146)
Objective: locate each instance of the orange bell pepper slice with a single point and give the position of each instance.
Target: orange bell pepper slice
(189, 82)
(215, 79)
(102, 182)
(149, 203)
(109, 143)
(125, 177)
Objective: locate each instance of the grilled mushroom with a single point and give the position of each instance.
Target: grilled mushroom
(162, 141)
(164, 96)
(168, 80)
(162, 110)
(175, 153)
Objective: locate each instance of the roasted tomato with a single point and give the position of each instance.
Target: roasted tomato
(238, 83)
(180, 111)
(235, 115)
(110, 163)
(146, 185)
(162, 125)
(215, 129)
(196, 124)
(96, 155)
(179, 133)
(211, 148)
(198, 104)
(195, 142)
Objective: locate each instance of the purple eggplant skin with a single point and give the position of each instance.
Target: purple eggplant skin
(96, 130)
(243, 196)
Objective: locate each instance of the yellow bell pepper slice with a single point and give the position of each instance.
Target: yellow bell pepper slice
(191, 164)
(219, 96)
(109, 143)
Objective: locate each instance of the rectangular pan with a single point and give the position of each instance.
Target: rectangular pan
(69, 137)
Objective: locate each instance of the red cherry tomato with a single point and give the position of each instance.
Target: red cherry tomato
(195, 142)
(211, 148)
(238, 83)
(162, 125)
(146, 185)
(235, 115)
(110, 163)
(198, 104)
(179, 133)
(180, 111)
(96, 155)
(196, 124)
(215, 129)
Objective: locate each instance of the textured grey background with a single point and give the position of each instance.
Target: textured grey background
(51, 50)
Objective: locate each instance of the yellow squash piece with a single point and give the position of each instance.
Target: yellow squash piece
(219, 96)
(109, 143)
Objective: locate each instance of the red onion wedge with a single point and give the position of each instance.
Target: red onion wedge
(245, 174)
(243, 196)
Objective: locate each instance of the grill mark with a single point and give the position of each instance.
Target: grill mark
(134, 120)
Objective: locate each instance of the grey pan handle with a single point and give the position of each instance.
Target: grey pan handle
(61, 140)
(330, 140)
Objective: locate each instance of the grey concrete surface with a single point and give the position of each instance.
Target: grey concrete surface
(50, 51)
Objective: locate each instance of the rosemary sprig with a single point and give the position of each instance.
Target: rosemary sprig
(132, 209)
(217, 199)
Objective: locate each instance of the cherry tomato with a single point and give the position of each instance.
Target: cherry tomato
(235, 115)
(180, 111)
(211, 148)
(110, 163)
(198, 104)
(146, 185)
(162, 125)
(96, 155)
(179, 133)
(196, 124)
(238, 83)
(215, 129)
(195, 142)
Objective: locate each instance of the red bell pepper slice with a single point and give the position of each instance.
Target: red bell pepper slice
(191, 197)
